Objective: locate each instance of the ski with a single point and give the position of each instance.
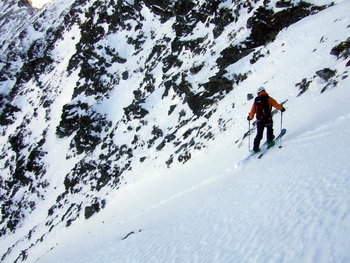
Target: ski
(252, 154)
(265, 149)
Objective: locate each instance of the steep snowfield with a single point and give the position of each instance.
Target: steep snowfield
(293, 205)
(290, 206)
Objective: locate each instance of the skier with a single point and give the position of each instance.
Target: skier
(262, 107)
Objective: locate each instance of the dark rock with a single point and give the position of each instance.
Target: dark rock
(250, 96)
(125, 75)
(283, 4)
(183, 7)
(342, 50)
(135, 111)
(91, 210)
(7, 116)
(232, 54)
(326, 74)
(171, 61)
(303, 86)
(196, 68)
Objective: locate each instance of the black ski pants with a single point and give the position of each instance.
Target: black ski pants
(261, 124)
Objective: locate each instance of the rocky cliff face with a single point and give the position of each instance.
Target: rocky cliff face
(89, 89)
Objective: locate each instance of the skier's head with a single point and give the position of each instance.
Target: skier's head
(260, 89)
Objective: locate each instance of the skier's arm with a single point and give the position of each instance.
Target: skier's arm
(274, 104)
(252, 112)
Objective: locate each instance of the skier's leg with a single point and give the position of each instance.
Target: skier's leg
(260, 129)
(269, 128)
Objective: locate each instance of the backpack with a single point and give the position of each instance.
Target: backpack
(262, 108)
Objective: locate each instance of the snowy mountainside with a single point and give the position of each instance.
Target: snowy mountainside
(92, 91)
(286, 207)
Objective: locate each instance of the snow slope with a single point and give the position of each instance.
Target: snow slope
(290, 206)
(293, 205)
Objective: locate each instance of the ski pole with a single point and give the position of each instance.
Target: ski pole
(281, 129)
(249, 135)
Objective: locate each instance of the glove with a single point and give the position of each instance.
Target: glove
(248, 118)
(283, 109)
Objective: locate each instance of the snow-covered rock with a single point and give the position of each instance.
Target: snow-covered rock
(103, 103)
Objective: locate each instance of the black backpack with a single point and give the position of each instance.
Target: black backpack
(262, 107)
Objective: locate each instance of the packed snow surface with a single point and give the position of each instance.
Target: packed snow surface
(293, 205)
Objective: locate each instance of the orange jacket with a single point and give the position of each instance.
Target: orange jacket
(271, 101)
